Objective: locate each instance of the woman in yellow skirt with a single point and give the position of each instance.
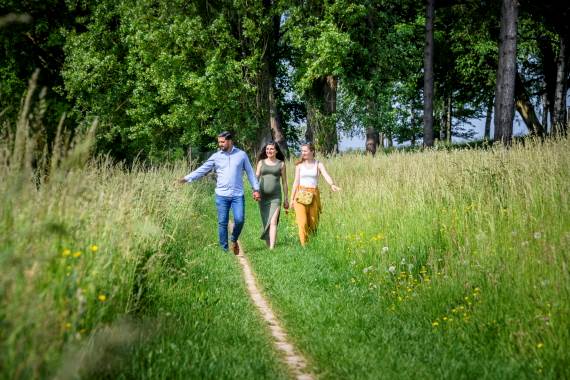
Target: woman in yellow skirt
(305, 196)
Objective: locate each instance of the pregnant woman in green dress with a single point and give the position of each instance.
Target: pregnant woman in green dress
(272, 176)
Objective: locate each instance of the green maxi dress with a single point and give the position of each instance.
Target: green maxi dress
(270, 188)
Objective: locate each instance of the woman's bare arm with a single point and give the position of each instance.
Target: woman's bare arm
(327, 177)
(284, 182)
(295, 185)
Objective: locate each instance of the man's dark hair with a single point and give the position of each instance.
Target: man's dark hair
(226, 135)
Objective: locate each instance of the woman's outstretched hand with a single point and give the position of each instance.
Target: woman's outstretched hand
(335, 188)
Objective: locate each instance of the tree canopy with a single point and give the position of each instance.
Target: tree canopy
(166, 76)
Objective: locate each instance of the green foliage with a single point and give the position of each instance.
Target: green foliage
(33, 41)
(165, 75)
(442, 264)
(96, 262)
(384, 69)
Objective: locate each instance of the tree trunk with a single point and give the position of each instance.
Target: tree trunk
(263, 134)
(328, 134)
(372, 140)
(414, 119)
(274, 119)
(506, 71)
(321, 122)
(428, 75)
(269, 126)
(559, 111)
(442, 129)
(526, 109)
(549, 71)
(275, 123)
(487, 132)
(448, 119)
(311, 123)
(545, 106)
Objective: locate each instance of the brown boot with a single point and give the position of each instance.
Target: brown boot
(235, 248)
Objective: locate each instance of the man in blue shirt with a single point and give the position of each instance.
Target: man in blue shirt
(229, 163)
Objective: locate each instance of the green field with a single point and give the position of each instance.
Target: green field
(435, 264)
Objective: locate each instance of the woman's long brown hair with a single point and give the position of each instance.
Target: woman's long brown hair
(278, 154)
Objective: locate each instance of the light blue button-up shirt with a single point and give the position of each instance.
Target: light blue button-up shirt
(229, 167)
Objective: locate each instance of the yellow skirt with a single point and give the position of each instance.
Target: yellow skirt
(307, 216)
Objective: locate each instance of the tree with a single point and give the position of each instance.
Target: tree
(317, 34)
(165, 76)
(428, 75)
(551, 18)
(270, 71)
(32, 36)
(506, 71)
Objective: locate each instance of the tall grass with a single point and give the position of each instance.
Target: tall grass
(436, 264)
(103, 270)
(441, 264)
(71, 244)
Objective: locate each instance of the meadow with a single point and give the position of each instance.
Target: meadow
(436, 264)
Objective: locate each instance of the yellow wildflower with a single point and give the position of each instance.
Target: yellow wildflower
(435, 323)
(540, 345)
(77, 254)
(66, 252)
(102, 297)
(94, 248)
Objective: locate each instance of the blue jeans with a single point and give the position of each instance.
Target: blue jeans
(223, 204)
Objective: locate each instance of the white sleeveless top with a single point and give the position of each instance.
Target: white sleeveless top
(308, 177)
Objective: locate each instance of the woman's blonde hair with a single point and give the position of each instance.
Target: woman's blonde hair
(311, 148)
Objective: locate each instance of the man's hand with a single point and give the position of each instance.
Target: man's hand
(256, 196)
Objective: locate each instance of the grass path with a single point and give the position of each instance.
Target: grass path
(295, 361)
(440, 265)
